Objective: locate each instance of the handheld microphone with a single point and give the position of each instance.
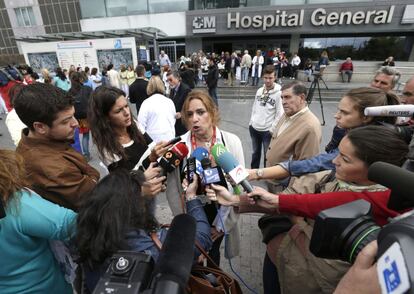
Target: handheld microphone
(199, 153)
(174, 140)
(172, 158)
(175, 261)
(406, 110)
(398, 180)
(212, 175)
(231, 166)
(191, 168)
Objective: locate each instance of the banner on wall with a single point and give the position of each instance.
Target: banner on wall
(80, 53)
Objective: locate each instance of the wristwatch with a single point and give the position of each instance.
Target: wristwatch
(259, 173)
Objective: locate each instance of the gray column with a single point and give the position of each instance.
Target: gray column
(294, 43)
(193, 45)
(411, 56)
(155, 47)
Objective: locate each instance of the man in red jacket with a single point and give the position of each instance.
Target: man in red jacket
(346, 68)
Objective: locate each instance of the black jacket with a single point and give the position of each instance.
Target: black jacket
(188, 77)
(82, 102)
(227, 66)
(178, 97)
(212, 76)
(138, 92)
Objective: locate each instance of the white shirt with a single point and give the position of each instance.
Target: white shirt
(157, 117)
(295, 60)
(15, 126)
(96, 78)
(267, 109)
(114, 79)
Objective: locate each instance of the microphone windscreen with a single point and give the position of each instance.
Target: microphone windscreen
(227, 162)
(399, 180)
(180, 150)
(217, 150)
(200, 153)
(177, 252)
(406, 110)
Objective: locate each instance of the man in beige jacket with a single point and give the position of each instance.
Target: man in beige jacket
(298, 133)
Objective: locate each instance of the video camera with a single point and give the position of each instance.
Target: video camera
(132, 272)
(342, 232)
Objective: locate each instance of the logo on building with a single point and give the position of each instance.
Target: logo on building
(118, 44)
(204, 24)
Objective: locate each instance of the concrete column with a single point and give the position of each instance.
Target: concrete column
(294, 43)
(193, 45)
(411, 41)
(155, 47)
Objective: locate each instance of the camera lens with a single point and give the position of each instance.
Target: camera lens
(356, 236)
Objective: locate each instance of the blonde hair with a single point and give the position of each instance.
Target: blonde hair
(208, 102)
(155, 85)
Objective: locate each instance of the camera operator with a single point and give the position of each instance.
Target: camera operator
(358, 150)
(117, 216)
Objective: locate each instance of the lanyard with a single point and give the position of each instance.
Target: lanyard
(213, 141)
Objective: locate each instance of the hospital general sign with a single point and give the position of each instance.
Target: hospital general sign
(317, 18)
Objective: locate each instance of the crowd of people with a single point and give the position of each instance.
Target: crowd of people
(242, 66)
(62, 214)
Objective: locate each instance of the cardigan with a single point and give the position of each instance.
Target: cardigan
(300, 140)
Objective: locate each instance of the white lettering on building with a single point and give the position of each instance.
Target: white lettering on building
(280, 18)
(319, 17)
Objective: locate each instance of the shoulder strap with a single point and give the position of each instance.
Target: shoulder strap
(222, 138)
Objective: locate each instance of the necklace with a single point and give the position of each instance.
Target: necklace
(209, 144)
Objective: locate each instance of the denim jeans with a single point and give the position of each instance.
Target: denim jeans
(259, 139)
(213, 93)
(245, 75)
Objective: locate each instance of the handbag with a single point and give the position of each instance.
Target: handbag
(273, 225)
(207, 279)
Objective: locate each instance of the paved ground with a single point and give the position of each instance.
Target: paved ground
(235, 115)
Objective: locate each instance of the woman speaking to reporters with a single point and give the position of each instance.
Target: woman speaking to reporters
(201, 116)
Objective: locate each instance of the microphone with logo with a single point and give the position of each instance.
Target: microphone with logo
(391, 110)
(172, 158)
(212, 175)
(231, 166)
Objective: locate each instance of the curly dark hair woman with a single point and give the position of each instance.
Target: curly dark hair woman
(116, 216)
